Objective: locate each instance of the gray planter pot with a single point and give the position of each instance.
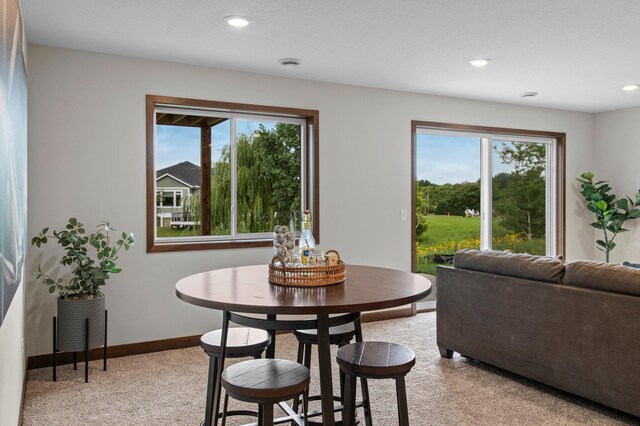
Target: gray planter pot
(71, 324)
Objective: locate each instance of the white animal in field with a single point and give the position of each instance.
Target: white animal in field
(471, 213)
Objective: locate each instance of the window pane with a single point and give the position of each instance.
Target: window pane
(447, 198)
(519, 196)
(178, 173)
(268, 173)
(221, 178)
(167, 199)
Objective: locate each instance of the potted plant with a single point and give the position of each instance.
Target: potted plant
(610, 213)
(81, 296)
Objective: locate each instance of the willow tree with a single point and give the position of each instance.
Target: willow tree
(268, 180)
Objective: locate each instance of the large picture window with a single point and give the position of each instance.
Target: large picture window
(220, 175)
(485, 188)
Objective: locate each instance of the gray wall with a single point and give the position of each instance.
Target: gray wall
(88, 110)
(616, 159)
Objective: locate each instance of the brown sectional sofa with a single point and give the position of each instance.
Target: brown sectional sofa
(573, 326)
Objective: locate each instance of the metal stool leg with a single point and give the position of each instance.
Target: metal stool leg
(300, 357)
(363, 382)
(304, 358)
(300, 352)
(305, 406)
(221, 359)
(307, 355)
(211, 387)
(401, 392)
(342, 377)
(266, 419)
(224, 409)
(349, 412)
(367, 404)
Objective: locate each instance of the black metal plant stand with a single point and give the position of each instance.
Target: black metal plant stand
(86, 349)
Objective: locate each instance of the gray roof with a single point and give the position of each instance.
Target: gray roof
(185, 171)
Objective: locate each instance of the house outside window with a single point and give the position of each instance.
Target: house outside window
(224, 174)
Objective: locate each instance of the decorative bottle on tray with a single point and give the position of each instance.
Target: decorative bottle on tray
(307, 243)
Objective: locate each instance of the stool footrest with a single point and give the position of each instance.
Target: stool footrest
(239, 413)
(319, 397)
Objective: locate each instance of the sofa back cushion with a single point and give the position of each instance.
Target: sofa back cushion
(537, 268)
(632, 265)
(603, 276)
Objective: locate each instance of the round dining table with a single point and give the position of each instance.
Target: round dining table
(246, 290)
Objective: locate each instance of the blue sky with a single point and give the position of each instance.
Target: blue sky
(440, 159)
(175, 144)
(452, 159)
(447, 159)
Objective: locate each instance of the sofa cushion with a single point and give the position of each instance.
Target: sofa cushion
(632, 265)
(537, 268)
(603, 276)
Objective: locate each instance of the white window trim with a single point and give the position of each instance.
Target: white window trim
(174, 191)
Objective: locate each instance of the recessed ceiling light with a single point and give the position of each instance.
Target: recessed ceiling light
(630, 87)
(290, 62)
(237, 20)
(479, 63)
(528, 94)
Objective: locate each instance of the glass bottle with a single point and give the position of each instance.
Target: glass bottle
(306, 243)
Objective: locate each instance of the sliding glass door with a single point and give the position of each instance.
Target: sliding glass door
(483, 191)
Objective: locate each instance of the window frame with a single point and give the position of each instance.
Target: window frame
(309, 176)
(555, 183)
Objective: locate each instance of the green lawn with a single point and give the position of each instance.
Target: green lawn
(442, 228)
(445, 228)
(167, 231)
(450, 233)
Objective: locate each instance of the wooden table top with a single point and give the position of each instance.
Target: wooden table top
(247, 289)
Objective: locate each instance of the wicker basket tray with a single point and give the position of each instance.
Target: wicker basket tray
(308, 276)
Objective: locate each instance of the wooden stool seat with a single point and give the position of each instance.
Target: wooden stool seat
(266, 382)
(375, 360)
(241, 342)
(338, 335)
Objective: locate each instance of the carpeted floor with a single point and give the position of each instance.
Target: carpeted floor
(168, 388)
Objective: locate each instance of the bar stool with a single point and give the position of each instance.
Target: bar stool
(266, 382)
(375, 360)
(340, 336)
(241, 342)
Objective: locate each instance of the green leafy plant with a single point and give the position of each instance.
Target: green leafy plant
(610, 213)
(90, 271)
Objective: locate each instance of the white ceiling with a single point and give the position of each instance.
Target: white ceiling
(576, 53)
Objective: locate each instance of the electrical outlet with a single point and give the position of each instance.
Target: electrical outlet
(403, 214)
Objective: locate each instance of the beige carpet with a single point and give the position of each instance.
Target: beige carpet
(168, 388)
